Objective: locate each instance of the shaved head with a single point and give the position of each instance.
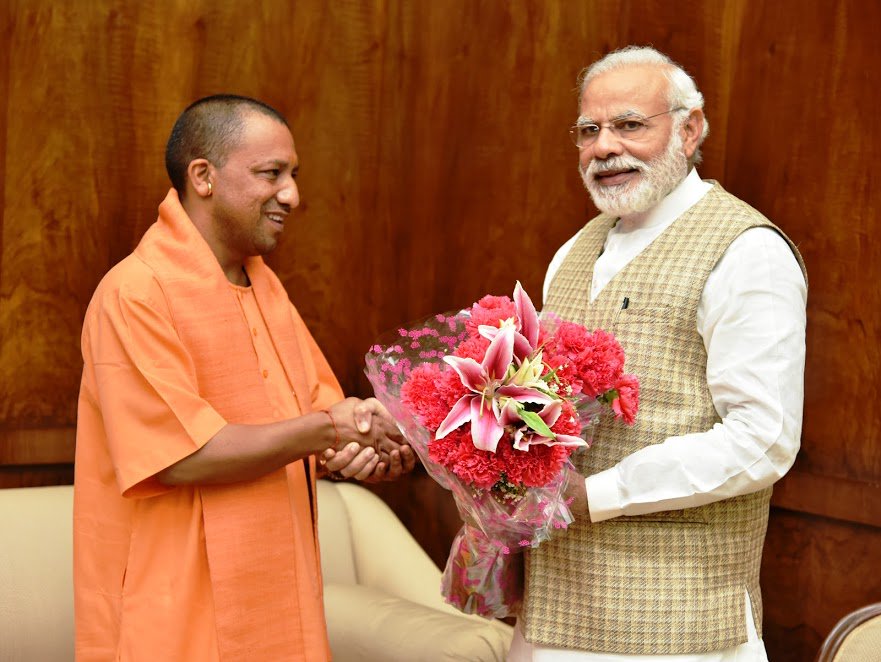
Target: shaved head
(208, 129)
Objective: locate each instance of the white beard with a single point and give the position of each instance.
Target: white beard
(656, 179)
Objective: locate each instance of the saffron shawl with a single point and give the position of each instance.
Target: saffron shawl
(248, 526)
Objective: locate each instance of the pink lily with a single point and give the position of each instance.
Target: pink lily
(526, 436)
(485, 381)
(526, 324)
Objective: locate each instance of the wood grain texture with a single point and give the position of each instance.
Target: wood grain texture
(832, 497)
(436, 168)
(814, 572)
(30, 446)
(35, 476)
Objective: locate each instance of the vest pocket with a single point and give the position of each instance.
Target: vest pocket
(688, 515)
(636, 314)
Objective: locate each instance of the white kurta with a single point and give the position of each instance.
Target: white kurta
(752, 319)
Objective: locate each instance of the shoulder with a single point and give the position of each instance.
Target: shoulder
(129, 281)
(595, 230)
(735, 209)
(763, 242)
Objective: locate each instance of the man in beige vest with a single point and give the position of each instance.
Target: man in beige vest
(708, 299)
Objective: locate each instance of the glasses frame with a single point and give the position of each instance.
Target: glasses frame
(573, 130)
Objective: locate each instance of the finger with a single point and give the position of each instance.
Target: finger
(377, 407)
(379, 473)
(408, 459)
(343, 458)
(388, 445)
(366, 457)
(395, 467)
(363, 419)
(368, 468)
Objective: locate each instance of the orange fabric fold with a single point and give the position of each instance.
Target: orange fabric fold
(248, 576)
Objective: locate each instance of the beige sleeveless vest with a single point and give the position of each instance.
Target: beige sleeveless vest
(667, 582)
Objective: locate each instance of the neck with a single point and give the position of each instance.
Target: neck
(237, 276)
(233, 267)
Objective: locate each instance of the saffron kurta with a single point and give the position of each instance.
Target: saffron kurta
(172, 353)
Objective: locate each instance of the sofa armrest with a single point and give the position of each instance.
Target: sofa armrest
(368, 625)
(386, 555)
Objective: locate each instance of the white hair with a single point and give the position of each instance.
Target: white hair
(682, 91)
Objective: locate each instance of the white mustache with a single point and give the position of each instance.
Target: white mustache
(597, 166)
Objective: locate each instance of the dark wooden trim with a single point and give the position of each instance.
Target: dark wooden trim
(829, 496)
(844, 627)
(36, 446)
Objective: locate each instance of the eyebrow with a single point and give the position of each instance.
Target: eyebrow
(582, 120)
(281, 164)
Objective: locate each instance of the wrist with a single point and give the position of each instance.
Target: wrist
(333, 432)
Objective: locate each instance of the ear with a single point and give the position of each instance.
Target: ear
(199, 175)
(691, 130)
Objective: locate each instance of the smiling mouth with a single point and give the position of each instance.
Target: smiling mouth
(614, 177)
(614, 173)
(276, 218)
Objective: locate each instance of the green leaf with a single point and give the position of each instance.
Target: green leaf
(534, 422)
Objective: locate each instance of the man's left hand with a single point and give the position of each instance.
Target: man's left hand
(350, 462)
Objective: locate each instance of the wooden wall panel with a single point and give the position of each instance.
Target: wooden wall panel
(435, 168)
(814, 571)
(802, 155)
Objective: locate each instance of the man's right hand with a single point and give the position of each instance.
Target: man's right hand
(375, 429)
(365, 437)
(368, 423)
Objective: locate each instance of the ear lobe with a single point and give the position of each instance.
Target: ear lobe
(199, 175)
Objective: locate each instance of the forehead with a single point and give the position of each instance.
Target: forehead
(263, 138)
(640, 88)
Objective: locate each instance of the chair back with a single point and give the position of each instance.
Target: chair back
(855, 638)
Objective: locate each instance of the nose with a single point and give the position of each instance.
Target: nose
(607, 144)
(289, 194)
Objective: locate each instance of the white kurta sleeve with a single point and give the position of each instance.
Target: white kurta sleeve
(752, 319)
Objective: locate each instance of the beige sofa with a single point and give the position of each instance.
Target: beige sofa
(36, 583)
(381, 589)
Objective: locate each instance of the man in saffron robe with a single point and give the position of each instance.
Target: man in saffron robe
(203, 407)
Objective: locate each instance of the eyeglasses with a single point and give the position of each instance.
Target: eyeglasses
(628, 127)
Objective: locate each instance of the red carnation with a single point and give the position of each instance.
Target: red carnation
(490, 310)
(473, 348)
(627, 403)
(592, 361)
(533, 468)
(458, 454)
(430, 391)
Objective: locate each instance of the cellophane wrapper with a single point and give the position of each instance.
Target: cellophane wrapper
(484, 571)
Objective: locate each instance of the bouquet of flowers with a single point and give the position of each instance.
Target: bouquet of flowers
(494, 401)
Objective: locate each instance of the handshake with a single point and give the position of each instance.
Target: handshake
(368, 445)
